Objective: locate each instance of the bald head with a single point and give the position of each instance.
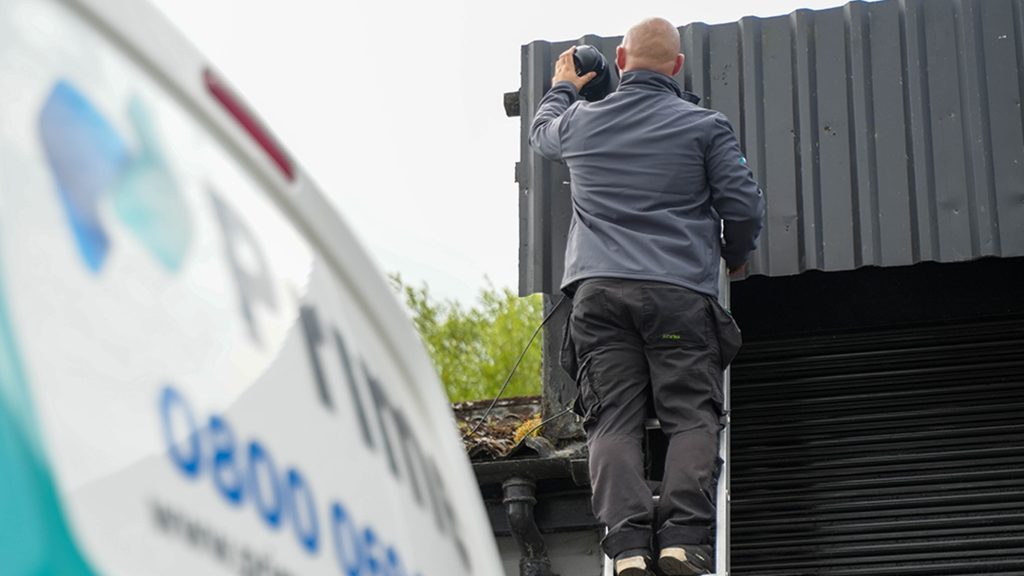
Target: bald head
(652, 44)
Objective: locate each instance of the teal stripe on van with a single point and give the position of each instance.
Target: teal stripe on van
(35, 539)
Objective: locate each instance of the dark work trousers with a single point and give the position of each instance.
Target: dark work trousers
(636, 342)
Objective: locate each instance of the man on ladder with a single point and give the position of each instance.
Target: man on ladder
(653, 177)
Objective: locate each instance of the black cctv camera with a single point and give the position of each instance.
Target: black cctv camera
(589, 59)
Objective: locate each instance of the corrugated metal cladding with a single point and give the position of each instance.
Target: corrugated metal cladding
(883, 133)
(889, 453)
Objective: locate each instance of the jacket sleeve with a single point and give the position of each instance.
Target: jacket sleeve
(734, 193)
(549, 123)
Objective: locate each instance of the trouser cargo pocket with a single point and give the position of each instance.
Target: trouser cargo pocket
(587, 404)
(729, 337)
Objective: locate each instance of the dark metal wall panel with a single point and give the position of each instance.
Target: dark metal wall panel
(883, 133)
(887, 173)
(885, 453)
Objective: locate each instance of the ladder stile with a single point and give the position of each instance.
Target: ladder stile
(723, 498)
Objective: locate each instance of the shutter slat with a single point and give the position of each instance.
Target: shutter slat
(889, 453)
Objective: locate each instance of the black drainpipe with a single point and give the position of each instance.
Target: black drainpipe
(519, 501)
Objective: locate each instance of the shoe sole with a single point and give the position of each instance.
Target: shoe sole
(675, 567)
(634, 572)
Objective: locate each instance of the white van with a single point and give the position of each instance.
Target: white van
(201, 371)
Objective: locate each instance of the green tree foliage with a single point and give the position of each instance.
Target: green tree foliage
(474, 348)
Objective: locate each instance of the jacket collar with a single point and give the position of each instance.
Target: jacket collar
(651, 80)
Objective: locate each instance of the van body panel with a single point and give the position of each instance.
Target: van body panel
(201, 371)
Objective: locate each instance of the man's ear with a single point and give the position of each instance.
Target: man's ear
(620, 58)
(679, 64)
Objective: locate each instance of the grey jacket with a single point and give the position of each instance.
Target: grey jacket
(653, 176)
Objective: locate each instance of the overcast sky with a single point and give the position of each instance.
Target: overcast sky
(395, 108)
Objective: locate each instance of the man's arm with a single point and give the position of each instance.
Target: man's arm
(546, 130)
(734, 193)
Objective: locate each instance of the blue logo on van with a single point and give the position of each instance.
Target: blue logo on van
(94, 166)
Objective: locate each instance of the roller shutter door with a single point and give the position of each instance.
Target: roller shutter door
(889, 453)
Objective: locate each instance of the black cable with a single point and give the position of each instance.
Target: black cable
(516, 366)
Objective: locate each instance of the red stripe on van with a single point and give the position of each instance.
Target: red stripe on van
(249, 122)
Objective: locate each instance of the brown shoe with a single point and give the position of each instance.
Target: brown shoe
(685, 560)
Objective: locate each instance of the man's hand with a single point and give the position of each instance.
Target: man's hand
(738, 271)
(565, 69)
